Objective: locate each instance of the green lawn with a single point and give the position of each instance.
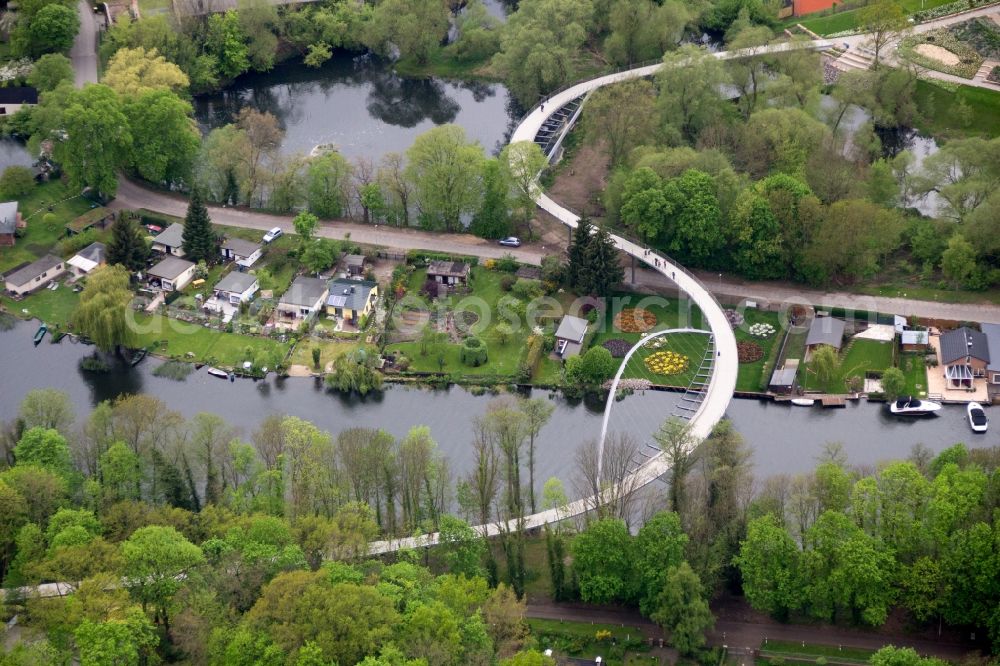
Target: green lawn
(814, 650)
(755, 376)
(938, 105)
(848, 20)
(43, 230)
(862, 356)
(52, 307)
(915, 372)
(504, 357)
(329, 350)
(175, 339)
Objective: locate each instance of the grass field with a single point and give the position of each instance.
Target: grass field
(329, 350)
(915, 372)
(504, 357)
(580, 639)
(175, 339)
(754, 376)
(848, 20)
(938, 106)
(44, 227)
(814, 650)
(53, 307)
(861, 357)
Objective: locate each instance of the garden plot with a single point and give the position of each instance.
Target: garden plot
(959, 49)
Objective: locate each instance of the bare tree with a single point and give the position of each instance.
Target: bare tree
(537, 413)
(364, 175)
(610, 484)
(210, 437)
(264, 136)
(505, 426)
(484, 479)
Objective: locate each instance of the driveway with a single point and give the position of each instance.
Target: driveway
(84, 51)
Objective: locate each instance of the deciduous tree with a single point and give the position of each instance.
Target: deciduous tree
(103, 312)
(98, 139)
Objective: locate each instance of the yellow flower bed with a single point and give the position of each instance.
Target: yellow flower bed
(666, 363)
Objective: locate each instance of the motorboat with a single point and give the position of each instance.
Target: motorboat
(977, 417)
(910, 406)
(803, 402)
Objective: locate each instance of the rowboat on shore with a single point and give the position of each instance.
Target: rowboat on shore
(40, 333)
(215, 372)
(802, 402)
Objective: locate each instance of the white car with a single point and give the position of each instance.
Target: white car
(977, 417)
(272, 234)
(511, 241)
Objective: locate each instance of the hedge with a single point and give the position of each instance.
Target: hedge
(424, 256)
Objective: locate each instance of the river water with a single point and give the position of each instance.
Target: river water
(362, 107)
(784, 439)
(13, 152)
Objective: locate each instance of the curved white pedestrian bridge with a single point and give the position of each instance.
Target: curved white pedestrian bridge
(713, 398)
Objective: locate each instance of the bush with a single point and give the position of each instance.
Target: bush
(526, 289)
(473, 352)
(431, 289)
(507, 282)
(420, 257)
(16, 182)
(507, 264)
(74, 244)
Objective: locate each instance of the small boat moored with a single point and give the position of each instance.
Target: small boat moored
(215, 372)
(40, 333)
(802, 402)
(977, 417)
(910, 406)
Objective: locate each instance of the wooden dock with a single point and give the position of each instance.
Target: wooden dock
(833, 401)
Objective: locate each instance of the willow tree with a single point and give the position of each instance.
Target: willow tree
(102, 314)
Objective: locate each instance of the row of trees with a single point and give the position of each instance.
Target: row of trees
(920, 534)
(444, 181)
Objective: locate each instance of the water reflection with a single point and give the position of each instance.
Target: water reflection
(13, 152)
(362, 106)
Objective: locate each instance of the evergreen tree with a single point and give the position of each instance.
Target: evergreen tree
(604, 270)
(199, 239)
(128, 245)
(492, 220)
(576, 269)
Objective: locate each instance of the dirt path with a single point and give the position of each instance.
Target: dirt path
(740, 627)
(581, 180)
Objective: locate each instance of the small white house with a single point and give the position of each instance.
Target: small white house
(170, 241)
(87, 259)
(245, 253)
(236, 288)
(14, 97)
(35, 275)
(569, 336)
(304, 299)
(171, 274)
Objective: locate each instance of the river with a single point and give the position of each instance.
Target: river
(362, 107)
(784, 439)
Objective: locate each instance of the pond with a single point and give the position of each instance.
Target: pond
(362, 107)
(784, 439)
(14, 152)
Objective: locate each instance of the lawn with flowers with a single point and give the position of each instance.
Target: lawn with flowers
(761, 329)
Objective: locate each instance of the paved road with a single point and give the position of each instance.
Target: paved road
(84, 51)
(751, 634)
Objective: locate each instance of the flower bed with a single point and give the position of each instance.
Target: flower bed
(630, 384)
(761, 330)
(617, 347)
(951, 8)
(735, 318)
(634, 320)
(666, 363)
(968, 59)
(748, 352)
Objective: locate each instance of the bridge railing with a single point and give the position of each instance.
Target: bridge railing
(567, 86)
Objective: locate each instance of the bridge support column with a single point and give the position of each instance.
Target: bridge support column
(569, 236)
(633, 268)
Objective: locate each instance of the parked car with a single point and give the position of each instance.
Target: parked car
(154, 228)
(272, 234)
(511, 241)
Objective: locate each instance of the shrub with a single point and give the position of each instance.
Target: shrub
(507, 263)
(507, 282)
(748, 352)
(527, 289)
(74, 244)
(431, 289)
(16, 182)
(473, 352)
